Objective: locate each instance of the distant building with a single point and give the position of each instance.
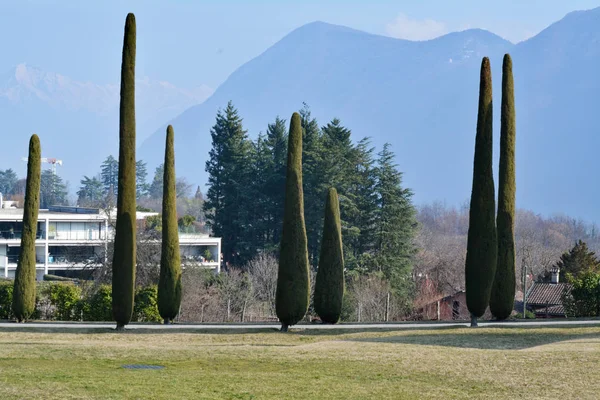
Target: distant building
(76, 238)
(545, 299)
(447, 308)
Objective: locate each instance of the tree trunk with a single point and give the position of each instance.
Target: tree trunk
(284, 328)
(473, 321)
(167, 321)
(120, 327)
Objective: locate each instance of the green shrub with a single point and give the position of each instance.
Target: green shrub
(528, 315)
(66, 298)
(146, 305)
(584, 298)
(98, 306)
(6, 296)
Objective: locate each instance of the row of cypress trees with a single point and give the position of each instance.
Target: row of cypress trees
(293, 279)
(490, 261)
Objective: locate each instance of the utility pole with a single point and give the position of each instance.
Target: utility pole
(524, 273)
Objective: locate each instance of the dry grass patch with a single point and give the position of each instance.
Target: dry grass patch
(487, 363)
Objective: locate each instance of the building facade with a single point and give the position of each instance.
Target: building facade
(76, 238)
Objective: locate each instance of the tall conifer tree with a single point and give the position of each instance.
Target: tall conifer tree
(23, 303)
(503, 290)
(482, 247)
(329, 286)
(395, 224)
(169, 285)
(313, 180)
(123, 268)
(230, 176)
(293, 281)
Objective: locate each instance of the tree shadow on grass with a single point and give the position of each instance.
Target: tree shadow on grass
(499, 338)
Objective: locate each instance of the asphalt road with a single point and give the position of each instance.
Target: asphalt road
(7, 326)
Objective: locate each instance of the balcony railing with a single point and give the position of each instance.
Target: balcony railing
(77, 235)
(12, 234)
(72, 259)
(194, 258)
(15, 259)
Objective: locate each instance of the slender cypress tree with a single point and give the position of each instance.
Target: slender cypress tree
(123, 280)
(23, 303)
(169, 285)
(503, 290)
(329, 287)
(482, 248)
(293, 283)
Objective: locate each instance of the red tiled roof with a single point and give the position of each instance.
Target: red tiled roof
(552, 310)
(542, 294)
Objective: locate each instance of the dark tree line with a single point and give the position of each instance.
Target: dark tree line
(244, 202)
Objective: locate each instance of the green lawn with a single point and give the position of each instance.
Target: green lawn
(486, 363)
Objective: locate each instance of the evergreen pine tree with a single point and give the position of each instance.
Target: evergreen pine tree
(276, 143)
(53, 191)
(313, 180)
(359, 241)
(339, 168)
(110, 175)
(230, 175)
(23, 303)
(90, 193)
(293, 282)
(141, 185)
(329, 286)
(482, 247)
(395, 225)
(260, 209)
(169, 285)
(156, 187)
(577, 261)
(8, 180)
(124, 258)
(503, 290)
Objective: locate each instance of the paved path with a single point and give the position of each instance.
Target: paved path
(202, 327)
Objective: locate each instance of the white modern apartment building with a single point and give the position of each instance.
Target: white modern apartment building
(76, 238)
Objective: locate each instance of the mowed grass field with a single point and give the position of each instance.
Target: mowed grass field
(460, 363)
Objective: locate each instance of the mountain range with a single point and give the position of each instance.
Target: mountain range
(419, 96)
(422, 98)
(77, 121)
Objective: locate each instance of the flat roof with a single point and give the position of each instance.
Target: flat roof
(12, 214)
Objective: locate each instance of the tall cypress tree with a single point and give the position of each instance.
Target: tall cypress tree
(503, 291)
(169, 285)
(23, 303)
(293, 282)
(482, 248)
(123, 279)
(329, 287)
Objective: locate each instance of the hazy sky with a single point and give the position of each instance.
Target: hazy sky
(195, 42)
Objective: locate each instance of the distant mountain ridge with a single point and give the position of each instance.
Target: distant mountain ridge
(71, 116)
(422, 98)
